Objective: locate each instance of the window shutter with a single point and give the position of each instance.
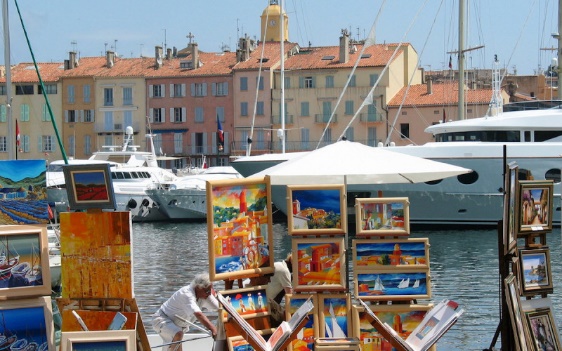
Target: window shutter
(226, 151)
(183, 90)
(150, 115)
(204, 89)
(214, 89)
(81, 115)
(66, 116)
(150, 91)
(92, 116)
(172, 94)
(192, 89)
(163, 90)
(172, 116)
(226, 88)
(193, 149)
(163, 114)
(40, 143)
(183, 114)
(53, 144)
(301, 82)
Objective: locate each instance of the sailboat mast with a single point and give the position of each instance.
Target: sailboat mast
(10, 134)
(282, 48)
(559, 48)
(461, 60)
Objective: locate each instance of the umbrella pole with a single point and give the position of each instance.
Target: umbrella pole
(346, 237)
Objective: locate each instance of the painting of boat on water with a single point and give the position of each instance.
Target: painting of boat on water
(334, 315)
(24, 261)
(316, 209)
(391, 254)
(386, 285)
(23, 194)
(27, 324)
(94, 245)
(240, 228)
(319, 264)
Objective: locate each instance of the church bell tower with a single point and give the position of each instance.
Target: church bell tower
(271, 22)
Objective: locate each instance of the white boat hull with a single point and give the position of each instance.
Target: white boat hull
(180, 204)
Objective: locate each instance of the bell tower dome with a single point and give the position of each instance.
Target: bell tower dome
(271, 22)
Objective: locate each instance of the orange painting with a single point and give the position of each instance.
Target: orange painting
(96, 255)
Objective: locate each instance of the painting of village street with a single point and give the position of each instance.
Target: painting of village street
(96, 254)
(240, 240)
(23, 196)
(316, 209)
(320, 264)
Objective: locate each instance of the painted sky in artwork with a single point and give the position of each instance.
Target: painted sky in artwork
(17, 170)
(94, 178)
(326, 199)
(229, 196)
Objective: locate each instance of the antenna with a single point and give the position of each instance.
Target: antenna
(115, 46)
(74, 44)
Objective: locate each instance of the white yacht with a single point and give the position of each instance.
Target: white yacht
(186, 199)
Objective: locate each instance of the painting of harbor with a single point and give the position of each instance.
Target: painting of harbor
(385, 285)
(240, 240)
(319, 264)
(377, 253)
(23, 196)
(95, 245)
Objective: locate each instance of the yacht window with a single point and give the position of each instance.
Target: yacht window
(527, 136)
(119, 175)
(434, 182)
(490, 135)
(127, 175)
(553, 174)
(468, 178)
(544, 135)
(146, 175)
(135, 175)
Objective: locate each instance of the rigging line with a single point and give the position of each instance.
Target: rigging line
(249, 148)
(63, 152)
(414, 71)
(369, 98)
(368, 42)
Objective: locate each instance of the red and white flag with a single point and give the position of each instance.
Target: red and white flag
(17, 134)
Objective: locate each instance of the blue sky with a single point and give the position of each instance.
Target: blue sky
(515, 30)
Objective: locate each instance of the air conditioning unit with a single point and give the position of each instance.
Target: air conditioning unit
(118, 126)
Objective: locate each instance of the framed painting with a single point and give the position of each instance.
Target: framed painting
(23, 192)
(334, 316)
(24, 261)
(369, 254)
(27, 321)
(89, 186)
(538, 315)
(314, 210)
(520, 330)
(409, 317)
(337, 344)
(249, 302)
(305, 338)
(535, 205)
(115, 340)
(535, 275)
(382, 216)
(319, 264)
(240, 228)
(238, 343)
(393, 285)
(509, 201)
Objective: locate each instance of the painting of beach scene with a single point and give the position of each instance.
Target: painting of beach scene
(334, 315)
(239, 226)
(315, 210)
(536, 276)
(248, 302)
(387, 253)
(27, 324)
(386, 285)
(305, 338)
(94, 245)
(24, 261)
(23, 194)
(319, 264)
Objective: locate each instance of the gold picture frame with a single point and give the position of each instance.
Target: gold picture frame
(534, 207)
(119, 340)
(397, 284)
(390, 254)
(382, 216)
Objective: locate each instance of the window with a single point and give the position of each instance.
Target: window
(244, 109)
(24, 112)
(199, 89)
(352, 81)
(287, 82)
(329, 81)
(178, 143)
(260, 110)
(127, 96)
(178, 90)
(326, 111)
(3, 144)
(308, 82)
(305, 137)
(24, 89)
(86, 92)
(156, 90)
(349, 107)
(199, 116)
(372, 136)
(47, 143)
(127, 119)
(87, 145)
(49, 89)
(243, 83)
(404, 130)
(349, 134)
(199, 144)
(373, 79)
(220, 113)
(178, 114)
(259, 83)
(3, 90)
(108, 122)
(327, 136)
(108, 97)
(305, 111)
(88, 115)
(71, 145)
(45, 117)
(220, 89)
(108, 140)
(70, 116)
(157, 115)
(2, 113)
(70, 93)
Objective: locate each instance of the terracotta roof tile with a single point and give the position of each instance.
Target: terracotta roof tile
(271, 54)
(25, 72)
(442, 93)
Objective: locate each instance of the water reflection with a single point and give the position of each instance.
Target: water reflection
(464, 267)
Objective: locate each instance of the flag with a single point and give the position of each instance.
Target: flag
(444, 116)
(220, 135)
(450, 62)
(17, 134)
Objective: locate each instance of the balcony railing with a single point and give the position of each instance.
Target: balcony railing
(322, 118)
(115, 128)
(370, 117)
(276, 119)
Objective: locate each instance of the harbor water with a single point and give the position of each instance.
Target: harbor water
(463, 267)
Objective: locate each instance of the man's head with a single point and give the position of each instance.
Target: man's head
(202, 285)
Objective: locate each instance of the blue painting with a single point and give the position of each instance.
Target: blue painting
(316, 209)
(391, 253)
(334, 311)
(385, 285)
(24, 328)
(23, 193)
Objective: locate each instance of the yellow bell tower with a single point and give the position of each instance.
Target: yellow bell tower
(271, 23)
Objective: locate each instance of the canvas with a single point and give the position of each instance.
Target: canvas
(249, 302)
(95, 245)
(543, 331)
(511, 187)
(382, 216)
(89, 186)
(389, 254)
(518, 326)
(393, 285)
(334, 315)
(240, 228)
(535, 275)
(534, 207)
(23, 194)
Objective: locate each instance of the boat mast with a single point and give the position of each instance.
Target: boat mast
(282, 48)
(461, 61)
(10, 134)
(559, 48)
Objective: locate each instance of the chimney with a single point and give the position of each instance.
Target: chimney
(175, 52)
(157, 57)
(195, 55)
(169, 54)
(71, 60)
(429, 86)
(344, 46)
(110, 58)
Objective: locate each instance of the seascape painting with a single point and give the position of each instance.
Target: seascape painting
(334, 317)
(386, 285)
(23, 194)
(240, 240)
(319, 264)
(95, 245)
(370, 253)
(305, 338)
(535, 272)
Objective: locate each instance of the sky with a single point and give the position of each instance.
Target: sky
(514, 30)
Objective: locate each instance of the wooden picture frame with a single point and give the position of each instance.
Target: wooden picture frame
(305, 338)
(240, 228)
(369, 254)
(535, 207)
(238, 343)
(337, 344)
(410, 315)
(37, 317)
(319, 264)
(249, 302)
(535, 310)
(519, 328)
(119, 340)
(334, 315)
(535, 275)
(89, 186)
(25, 271)
(393, 285)
(314, 210)
(382, 216)
(511, 187)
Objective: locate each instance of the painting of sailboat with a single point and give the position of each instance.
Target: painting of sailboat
(334, 317)
(386, 285)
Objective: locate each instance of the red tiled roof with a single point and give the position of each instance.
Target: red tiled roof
(271, 54)
(442, 93)
(25, 72)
